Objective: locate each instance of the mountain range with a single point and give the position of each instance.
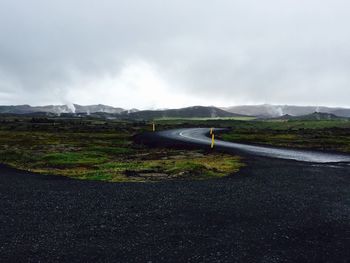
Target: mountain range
(59, 109)
(312, 116)
(262, 111)
(189, 112)
(272, 111)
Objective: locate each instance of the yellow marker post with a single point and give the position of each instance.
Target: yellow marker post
(153, 126)
(212, 141)
(211, 131)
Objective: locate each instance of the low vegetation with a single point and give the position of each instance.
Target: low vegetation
(326, 135)
(97, 149)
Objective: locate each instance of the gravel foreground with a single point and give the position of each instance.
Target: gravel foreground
(271, 211)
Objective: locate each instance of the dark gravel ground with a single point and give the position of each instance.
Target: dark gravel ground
(271, 211)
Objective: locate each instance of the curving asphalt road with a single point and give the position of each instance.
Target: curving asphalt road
(200, 136)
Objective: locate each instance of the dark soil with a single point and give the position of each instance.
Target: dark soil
(271, 211)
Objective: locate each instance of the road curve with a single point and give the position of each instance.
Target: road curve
(200, 136)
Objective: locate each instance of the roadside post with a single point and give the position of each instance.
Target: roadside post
(153, 126)
(211, 131)
(212, 140)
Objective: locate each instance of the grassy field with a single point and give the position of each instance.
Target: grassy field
(101, 150)
(98, 149)
(327, 135)
(168, 123)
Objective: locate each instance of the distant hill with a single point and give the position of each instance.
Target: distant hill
(18, 109)
(189, 112)
(312, 116)
(320, 116)
(112, 112)
(271, 111)
(59, 109)
(262, 111)
(97, 108)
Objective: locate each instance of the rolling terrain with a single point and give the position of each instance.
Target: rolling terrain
(272, 111)
(261, 111)
(190, 112)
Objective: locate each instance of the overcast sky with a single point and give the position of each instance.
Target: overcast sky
(162, 54)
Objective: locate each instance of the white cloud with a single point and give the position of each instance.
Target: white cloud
(138, 83)
(175, 53)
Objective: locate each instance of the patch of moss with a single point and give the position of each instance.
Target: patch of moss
(73, 158)
(112, 150)
(96, 151)
(329, 135)
(207, 166)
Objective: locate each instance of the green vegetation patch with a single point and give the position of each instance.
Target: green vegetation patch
(112, 150)
(102, 150)
(186, 166)
(328, 135)
(177, 165)
(73, 159)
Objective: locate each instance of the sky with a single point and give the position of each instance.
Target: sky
(175, 53)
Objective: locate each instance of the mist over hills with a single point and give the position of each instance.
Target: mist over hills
(312, 116)
(99, 110)
(59, 109)
(189, 112)
(263, 111)
(272, 111)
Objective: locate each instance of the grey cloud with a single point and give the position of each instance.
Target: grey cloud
(294, 52)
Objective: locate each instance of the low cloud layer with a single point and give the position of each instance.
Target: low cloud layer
(155, 54)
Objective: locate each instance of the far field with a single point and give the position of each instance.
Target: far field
(99, 149)
(96, 149)
(325, 135)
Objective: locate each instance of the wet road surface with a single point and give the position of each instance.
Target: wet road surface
(200, 136)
